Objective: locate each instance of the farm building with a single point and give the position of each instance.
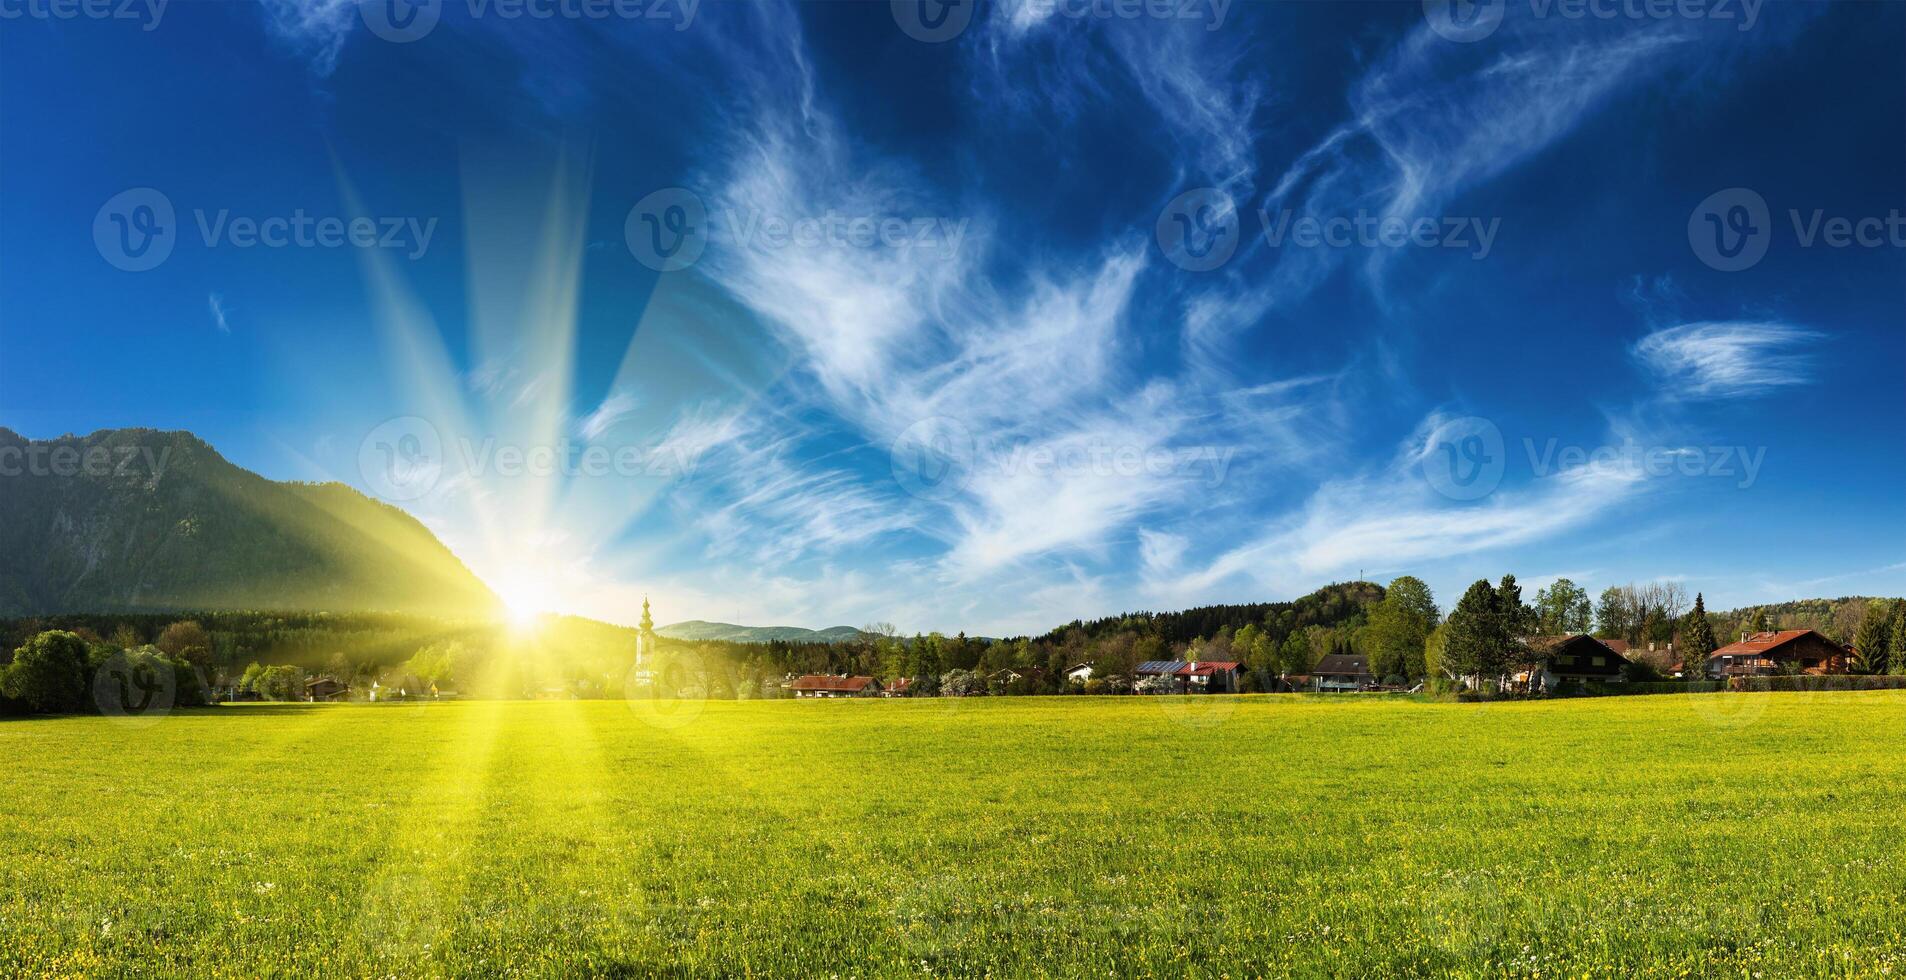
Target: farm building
(1079, 673)
(1795, 651)
(834, 686)
(901, 688)
(1341, 672)
(326, 689)
(1559, 659)
(1195, 676)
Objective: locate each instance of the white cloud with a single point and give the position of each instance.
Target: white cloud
(1727, 360)
(217, 305)
(618, 406)
(314, 29)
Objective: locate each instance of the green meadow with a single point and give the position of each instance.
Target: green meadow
(1753, 835)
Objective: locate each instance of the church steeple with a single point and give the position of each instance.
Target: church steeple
(644, 638)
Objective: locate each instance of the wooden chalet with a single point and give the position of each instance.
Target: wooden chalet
(1779, 652)
(1342, 672)
(834, 686)
(1565, 658)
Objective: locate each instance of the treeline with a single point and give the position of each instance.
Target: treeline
(61, 672)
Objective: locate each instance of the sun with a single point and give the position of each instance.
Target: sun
(524, 604)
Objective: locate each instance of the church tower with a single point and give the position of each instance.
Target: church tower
(645, 638)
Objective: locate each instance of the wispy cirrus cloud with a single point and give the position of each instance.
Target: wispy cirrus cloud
(1728, 359)
(216, 304)
(619, 405)
(313, 29)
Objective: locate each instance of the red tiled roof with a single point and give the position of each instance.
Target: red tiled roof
(901, 686)
(1205, 668)
(1619, 646)
(1760, 643)
(830, 682)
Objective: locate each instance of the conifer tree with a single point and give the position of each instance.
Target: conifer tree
(1896, 650)
(1697, 639)
(1873, 639)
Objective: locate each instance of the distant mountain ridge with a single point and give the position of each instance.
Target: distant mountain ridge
(697, 629)
(142, 520)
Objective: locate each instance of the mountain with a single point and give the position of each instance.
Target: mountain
(696, 629)
(137, 519)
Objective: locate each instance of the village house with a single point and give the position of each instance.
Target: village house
(1007, 675)
(1195, 676)
(901, 688)
(326, 689)
(1784, 651)
(1568, 658)
(1078, 673)
(1341, 672)
(834, 686)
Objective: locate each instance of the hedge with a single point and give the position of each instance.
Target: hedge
(1819, 682)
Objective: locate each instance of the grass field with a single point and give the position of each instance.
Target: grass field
(1745, 835)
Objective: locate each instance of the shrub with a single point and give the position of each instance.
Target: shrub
(1817, 682)
(49, 674)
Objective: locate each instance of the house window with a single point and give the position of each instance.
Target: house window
(1600, 661)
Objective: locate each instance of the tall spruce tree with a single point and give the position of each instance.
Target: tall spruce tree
(1697, 640)
(1472, 643)
(1873, 639)
(1758, 623)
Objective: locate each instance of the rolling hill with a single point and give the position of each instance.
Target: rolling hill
(142, 520)
(696, 629)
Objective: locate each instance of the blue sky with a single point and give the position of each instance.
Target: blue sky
(1054, 313)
